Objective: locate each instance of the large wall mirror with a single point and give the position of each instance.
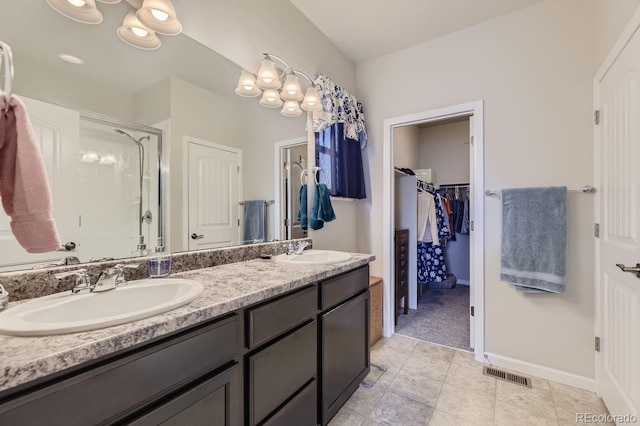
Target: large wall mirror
(143, 142)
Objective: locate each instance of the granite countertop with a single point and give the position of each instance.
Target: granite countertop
(226, 288)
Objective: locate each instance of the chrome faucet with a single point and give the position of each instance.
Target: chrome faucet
(111, 278)
(299, 248)
(83, 282)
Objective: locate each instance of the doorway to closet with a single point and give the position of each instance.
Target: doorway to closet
(432, 173)
(439, 153)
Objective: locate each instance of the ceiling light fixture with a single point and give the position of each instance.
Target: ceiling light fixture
(134, 33)
(270, 79)
(70, 58)
(160, 16)
(84, 11)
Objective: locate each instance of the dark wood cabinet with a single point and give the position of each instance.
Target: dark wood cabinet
(279, 371)
(294, 359)
(401, 250)
(212, 402)
(111, 390)
(344, 336)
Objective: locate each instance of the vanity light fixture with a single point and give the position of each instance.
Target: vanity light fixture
(134, 33)
(84, 11)
(270, 79)
(160, 16)
(139, 27)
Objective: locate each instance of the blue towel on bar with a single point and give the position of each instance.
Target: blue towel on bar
(302, 213)
(255, 217)
(534, 239)
(321, 209)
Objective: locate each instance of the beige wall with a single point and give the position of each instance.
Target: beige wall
(611, 18)
(445, 149)
(534, 71)
(406, 147)
(241, 31)
(70, 90)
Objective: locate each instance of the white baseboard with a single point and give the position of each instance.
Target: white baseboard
(559, 376)
(463, 282)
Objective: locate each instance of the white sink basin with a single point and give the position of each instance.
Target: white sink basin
(69, 313)
(315, 257)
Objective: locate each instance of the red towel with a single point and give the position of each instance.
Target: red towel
(24, 189)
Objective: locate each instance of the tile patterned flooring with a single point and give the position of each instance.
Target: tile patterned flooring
(427, 384)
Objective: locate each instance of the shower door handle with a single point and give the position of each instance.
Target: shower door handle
(70, 246)
(195, 236)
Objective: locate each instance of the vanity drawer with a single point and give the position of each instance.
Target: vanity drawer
(277, 372)
(340, 288)
(110, 391)
(273, 318)
(300, 411)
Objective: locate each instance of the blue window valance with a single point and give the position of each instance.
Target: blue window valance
(340, 137)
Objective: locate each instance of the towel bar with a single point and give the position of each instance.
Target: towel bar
(586, 189)
(267, 202)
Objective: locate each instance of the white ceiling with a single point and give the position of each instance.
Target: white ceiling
(367, 29)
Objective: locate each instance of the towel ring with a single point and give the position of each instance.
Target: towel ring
(314, 169)
(6, 53)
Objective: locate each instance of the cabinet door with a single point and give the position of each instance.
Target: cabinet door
(211, 403)
(280, 370)
(345, 352)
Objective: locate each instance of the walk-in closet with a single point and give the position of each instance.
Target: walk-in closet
(432, 226)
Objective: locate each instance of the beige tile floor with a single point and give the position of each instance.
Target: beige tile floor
(433, 385)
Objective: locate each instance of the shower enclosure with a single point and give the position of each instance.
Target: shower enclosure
(119, 185)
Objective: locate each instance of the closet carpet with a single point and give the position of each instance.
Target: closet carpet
(442, 317)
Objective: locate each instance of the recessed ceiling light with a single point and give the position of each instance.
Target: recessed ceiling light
(71, 59)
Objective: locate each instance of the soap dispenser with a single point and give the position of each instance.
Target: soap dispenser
(159, 265)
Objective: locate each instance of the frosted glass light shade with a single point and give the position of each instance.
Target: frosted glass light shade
(109, 1)
(311, 100)
(291, 109)
(247, 85)
(160, 16)
(271, 99)
(133, 31)
(291, 90)
(87, 13)
(268, 75)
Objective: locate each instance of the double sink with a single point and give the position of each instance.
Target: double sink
(70, 313)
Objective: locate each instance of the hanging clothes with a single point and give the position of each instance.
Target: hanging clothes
(465, 216)
(431, 262)
(427, 225)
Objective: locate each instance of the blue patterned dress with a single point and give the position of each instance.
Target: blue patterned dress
(431, 264)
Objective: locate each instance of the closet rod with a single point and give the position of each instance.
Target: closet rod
(585, 189)
(453, 185)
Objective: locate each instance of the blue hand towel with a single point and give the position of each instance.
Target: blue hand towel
(534, 239)
(321, 210)
(302, 213)
(255, 215)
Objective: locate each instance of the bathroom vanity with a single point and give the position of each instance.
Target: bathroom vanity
(267, 344)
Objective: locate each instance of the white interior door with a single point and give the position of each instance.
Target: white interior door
(618, 158)
(57, 131)
(213, 191)
(472, 284)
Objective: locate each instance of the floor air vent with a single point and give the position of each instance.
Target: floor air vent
(509, 377)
